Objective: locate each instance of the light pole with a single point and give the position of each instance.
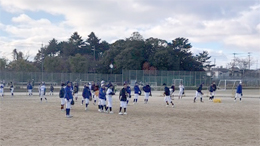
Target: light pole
(42, 61)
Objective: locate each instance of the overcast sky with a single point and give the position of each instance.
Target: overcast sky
(221, 27)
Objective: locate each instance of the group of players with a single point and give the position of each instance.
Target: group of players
(103, 94)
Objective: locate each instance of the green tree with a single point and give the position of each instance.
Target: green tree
(3, 64)
(80, 64)
(56, 64)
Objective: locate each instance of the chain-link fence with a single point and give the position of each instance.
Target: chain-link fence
(189, 78)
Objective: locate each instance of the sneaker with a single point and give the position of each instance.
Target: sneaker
(111, 112)
(234, 100)
(99, 110)
(120, 113)
(86, 108)
(69, 116)
(125, 113)
(201, 101)
(172, 105)
(167, 105)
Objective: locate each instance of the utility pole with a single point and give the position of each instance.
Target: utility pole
(249, 59)
(215, 62)
(233, 66)
(42, 60)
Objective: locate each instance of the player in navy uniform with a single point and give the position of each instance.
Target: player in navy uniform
(239, 93)
(76, 90)
(147, 93)
(86, 94)
(167, 94)
(214, 89)
(51, 89)
(123, 99)
(29, 88)
(199, 93)
(68, 99)
(172, 89)
(211, 96)
(62, 96)
(102, 98)
(12, 89)
(137, 92)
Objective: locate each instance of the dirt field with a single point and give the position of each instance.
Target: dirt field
(25, 121)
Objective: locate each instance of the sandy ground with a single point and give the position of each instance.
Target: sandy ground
(25, 121)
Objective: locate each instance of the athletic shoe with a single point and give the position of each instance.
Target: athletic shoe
(86, 108)
(125, 113)
(120, 113)
(172, 105)
(234, 100)
(69, 116)
(167, 105)
(111, 112)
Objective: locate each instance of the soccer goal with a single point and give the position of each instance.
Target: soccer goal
(228, 85)
(177, 82)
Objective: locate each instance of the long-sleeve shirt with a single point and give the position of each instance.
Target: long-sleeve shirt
(102, 93)
(68, 94)
(239, 89)
(166, 91)
(86, 93)
(199, 89)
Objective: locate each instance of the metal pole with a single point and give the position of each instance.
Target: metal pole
(42, 61)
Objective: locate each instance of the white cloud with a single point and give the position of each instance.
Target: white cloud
(234, 24)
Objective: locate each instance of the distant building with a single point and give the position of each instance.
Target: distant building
(220, 72)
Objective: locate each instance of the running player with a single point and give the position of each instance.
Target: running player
(167, 97)
(172, 89)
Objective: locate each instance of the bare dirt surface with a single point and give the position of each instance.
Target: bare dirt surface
(24, 121)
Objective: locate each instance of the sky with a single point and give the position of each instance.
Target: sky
(221, 27)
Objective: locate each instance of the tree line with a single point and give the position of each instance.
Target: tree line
(95, 56)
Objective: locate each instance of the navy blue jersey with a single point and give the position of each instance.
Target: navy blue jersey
(166, 91)
(122, 94)
(86, 92)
